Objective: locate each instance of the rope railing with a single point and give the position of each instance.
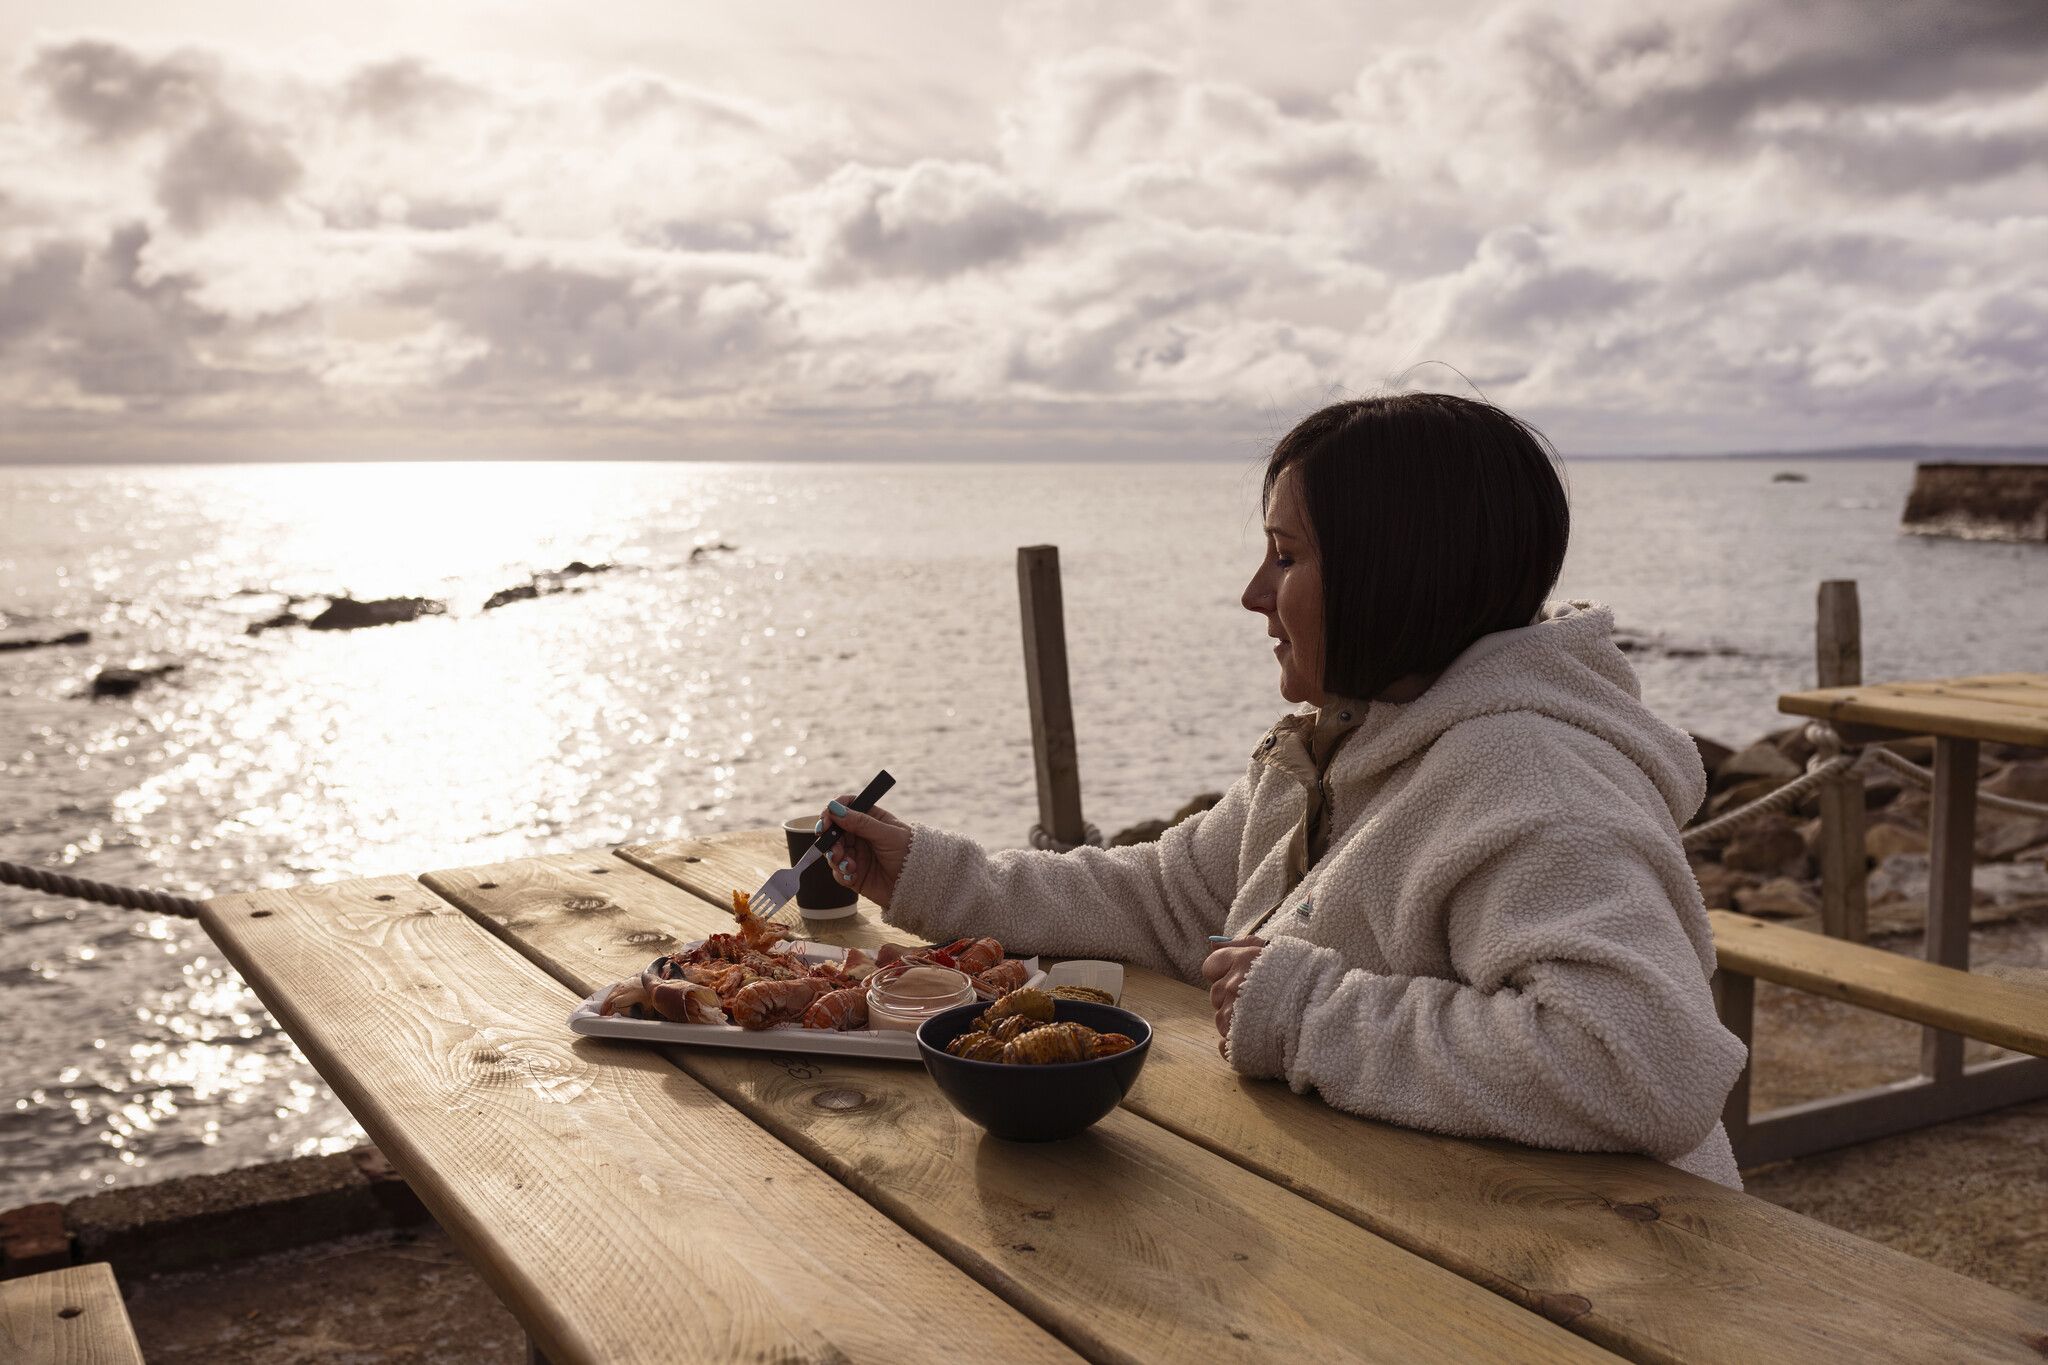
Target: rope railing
(102, 893)
(1042, 840)
(1913, 772)
(1829, 759)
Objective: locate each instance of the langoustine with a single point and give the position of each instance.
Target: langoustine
(840, 1010)
(765, 1004)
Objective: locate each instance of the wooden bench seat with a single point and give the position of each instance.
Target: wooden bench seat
(1129, 1243)
(1635, 1255)
(72, 1316)
(2010, 1014)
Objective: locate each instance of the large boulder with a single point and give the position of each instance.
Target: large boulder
(1780, 898)
(1761, 759)
(1713, 753)
(2026, 780)
(1718, 885)
(345, 613)
(1196, 806)
(124, 682)
(1741, 794)
(1770, 844)
(2004, 834)
(545, 584)
(1884, 838)
(1998, 892)
(1144, 832)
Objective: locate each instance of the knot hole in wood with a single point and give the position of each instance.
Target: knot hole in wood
(839, 1101)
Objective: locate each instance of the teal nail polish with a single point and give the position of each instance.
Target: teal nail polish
(836, 808)
(818, 828)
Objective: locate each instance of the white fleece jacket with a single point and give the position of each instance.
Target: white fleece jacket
(1503, 939)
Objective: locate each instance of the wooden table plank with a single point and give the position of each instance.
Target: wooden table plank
(1935, 707)
(1647, 1260)
(2010, 1014)
(1127, 1242)
(71, 1316)
(621, 1211)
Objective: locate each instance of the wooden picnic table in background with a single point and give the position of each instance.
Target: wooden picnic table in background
(697, 1203)
(1959, 714)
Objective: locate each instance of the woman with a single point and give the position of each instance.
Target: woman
(1452, 883)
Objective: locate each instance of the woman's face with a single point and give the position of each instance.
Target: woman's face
(1288, 591)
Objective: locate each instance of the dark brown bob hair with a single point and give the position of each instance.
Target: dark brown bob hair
(1437, 520)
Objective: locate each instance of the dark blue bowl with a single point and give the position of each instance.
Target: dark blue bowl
(1035, 1103)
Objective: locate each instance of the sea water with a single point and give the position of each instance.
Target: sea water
(864, 616)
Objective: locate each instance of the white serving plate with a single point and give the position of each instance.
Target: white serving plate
(900, 1044)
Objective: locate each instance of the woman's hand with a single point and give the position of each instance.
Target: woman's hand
(870, 854)
(1225, 970)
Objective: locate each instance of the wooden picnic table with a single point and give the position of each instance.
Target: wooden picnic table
(1959, 714)
(630, 1203)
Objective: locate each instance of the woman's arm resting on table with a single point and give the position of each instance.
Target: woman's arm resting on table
(1150, 904)
(1586, 1025)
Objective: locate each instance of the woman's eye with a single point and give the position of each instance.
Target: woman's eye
(1283, 561)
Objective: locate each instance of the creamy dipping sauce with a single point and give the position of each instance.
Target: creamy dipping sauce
(907, 998)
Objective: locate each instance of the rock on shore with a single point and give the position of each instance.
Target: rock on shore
(345, 613)
(545, 584)
(69, 637)
(124, 682)
(1770, 866)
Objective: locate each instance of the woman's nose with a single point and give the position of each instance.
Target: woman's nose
(1256, 598)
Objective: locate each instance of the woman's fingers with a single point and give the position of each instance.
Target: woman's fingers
(865, 825)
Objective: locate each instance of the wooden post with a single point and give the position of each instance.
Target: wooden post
(1045, 678)
(1735, 1003)
(1838, 658)
(1951, 853)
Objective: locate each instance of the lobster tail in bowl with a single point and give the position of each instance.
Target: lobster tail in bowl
(1035, 1092)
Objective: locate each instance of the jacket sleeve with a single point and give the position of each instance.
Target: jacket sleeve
(1151, 904)
(1580, 1017)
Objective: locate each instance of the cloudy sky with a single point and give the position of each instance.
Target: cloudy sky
(247, 229)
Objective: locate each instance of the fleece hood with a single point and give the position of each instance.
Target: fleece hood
(1564, 666)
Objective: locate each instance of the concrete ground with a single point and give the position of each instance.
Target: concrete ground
(1971, 1196)
(389, 1296)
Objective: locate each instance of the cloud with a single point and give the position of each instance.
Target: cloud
(930, 219)
(1732, 225)
(114, 93)
(224, 161)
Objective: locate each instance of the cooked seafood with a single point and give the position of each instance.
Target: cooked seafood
(757, 977)
(1045, 1044)
(1032, 1004)
(1011, 1030)
(839, 1010)
(683, 1002)
(973, 956)
(976, 1047)
(768, 1003)
(627, 997)
(1109, 1044)
(1094, 994)
(1004, 977)
(1010, 1025)
(759, 933)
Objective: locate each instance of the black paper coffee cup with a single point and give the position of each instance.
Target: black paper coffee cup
(819, 894)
